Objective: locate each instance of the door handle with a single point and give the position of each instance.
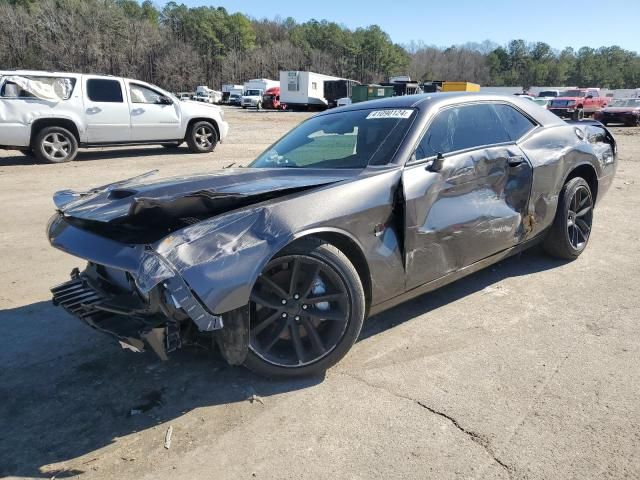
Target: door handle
(515, 161)
(94, 110)
(137, 111)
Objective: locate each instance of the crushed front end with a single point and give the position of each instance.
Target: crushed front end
(129, 292)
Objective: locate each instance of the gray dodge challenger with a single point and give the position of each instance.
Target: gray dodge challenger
(352, 212)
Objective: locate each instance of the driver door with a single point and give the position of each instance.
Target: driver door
(473, 205)
(151, 119)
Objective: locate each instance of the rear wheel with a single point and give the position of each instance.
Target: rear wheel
(55, 145)
(571, 227)
(307, 309)
(202, 137)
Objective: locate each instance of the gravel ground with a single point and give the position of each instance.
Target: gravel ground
(526, 370)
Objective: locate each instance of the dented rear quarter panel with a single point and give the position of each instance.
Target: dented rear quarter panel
(17, 115)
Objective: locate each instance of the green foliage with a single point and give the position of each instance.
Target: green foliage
(179, 47)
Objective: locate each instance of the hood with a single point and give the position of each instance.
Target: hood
(188, 199)
(194, 107)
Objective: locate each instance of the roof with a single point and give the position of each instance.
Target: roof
(427, 101)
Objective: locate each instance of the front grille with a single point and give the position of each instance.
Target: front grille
(78, 298)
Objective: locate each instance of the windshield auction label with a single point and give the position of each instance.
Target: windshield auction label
(390, 114)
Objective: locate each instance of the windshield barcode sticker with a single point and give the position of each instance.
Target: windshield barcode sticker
(390, 114)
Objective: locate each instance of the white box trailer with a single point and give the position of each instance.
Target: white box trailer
(303, 89)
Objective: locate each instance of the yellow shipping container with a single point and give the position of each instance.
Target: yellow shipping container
(460, 87)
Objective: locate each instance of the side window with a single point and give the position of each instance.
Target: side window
(140, 94)
(103, 90)
(462, 128)
(515, 123)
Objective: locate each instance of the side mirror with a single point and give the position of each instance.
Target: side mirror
(165, 101)
(589, 96)
(437, 164)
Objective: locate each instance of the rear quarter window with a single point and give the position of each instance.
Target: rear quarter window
(515, 123)
(103, 90)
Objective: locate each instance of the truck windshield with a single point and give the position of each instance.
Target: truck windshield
(352, 139)
(252, 93)
(573, 93)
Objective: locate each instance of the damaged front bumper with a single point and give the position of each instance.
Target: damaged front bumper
(128, 291)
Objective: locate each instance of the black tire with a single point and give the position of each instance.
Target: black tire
(259, 106)
(571, 228)
(171, 145)
(202, 137)
(578, 114)
(326, 330)
(244, 108)
(55, 145)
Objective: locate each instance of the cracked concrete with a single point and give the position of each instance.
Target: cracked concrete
(526, 370)
(473, 436)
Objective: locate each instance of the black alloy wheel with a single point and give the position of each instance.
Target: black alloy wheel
(580, 218)
(307, 309)
(571, 229)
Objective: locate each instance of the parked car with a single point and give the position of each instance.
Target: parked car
(352, 212)
(578, 103)
(626, 110)
(52, 114)
(235, 99)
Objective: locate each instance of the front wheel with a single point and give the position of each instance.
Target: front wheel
(55, 145)
(571, 227)
(202, 137)
(578, 114)
(307, 309)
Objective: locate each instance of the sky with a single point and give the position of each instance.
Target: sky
(559, 23)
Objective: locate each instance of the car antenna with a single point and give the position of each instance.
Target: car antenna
(230, 165)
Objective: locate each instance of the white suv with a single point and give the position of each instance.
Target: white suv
(52, 114)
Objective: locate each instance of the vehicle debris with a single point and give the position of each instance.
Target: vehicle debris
(167, 437)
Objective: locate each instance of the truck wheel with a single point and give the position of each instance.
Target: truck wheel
(259, 106)
(578, 114)
(202, 137)
(306, 311)
(55, 145)
(244, 108)
(571, 228)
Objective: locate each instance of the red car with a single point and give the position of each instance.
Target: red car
(625, 110)
(578, 103)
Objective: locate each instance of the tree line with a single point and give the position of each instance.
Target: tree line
(178, 47)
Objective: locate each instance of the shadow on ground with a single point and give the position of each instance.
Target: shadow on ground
(71, 405)
(91, 155)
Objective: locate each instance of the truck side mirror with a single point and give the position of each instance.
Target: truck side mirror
(589, 96)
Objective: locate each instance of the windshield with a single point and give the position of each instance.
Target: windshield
(573, 93)
(351, 139)
(626, 102)
(252, 93)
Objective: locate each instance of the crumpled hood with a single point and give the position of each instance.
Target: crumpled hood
(189, 196)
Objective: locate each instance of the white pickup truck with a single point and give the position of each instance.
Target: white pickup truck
(52, 114)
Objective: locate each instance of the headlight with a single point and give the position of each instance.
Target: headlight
(153, 269)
